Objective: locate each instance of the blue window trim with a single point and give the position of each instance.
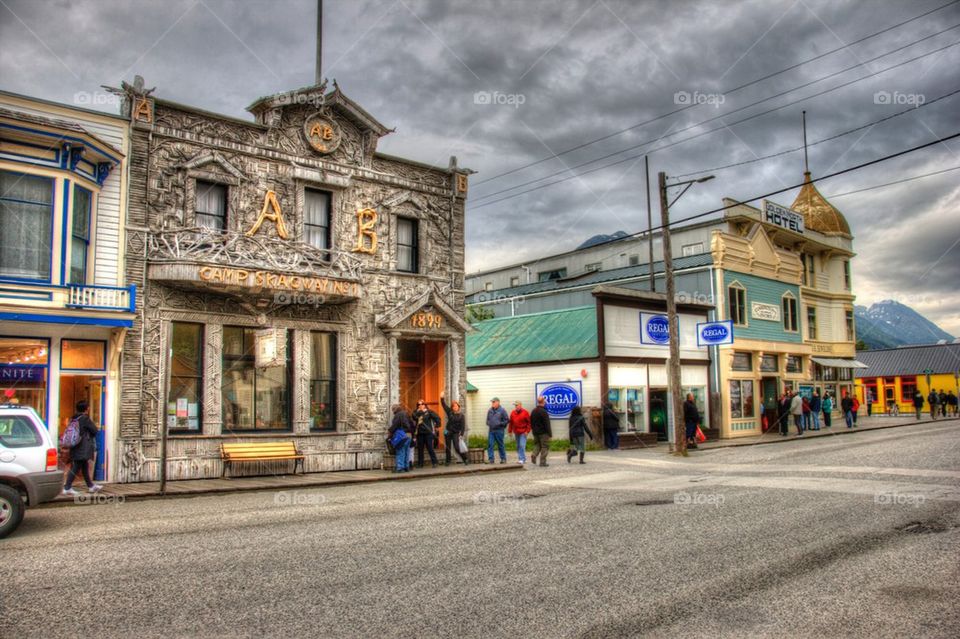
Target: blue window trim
(65, 230)
(67, 319)
(86, 240)
(94, 341)
(53, 200)
(62, 138)
(46, 416)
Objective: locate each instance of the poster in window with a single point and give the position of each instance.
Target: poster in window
(271, 347)
(736, 404)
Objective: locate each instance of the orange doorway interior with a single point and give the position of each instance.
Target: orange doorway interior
(422, 375)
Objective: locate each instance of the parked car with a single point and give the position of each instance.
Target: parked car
(28, 465)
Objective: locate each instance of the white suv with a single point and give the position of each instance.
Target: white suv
(28, 464)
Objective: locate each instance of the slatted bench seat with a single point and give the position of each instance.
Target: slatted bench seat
(259, 452)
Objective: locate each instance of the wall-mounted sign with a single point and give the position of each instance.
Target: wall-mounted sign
(761, 311)
(366, 232)
(462, 184)
(276, 281)
(782, 216)
(426, 319)
(22, 373)
(322, 135)
(712, 333)
(654, 329)
(560, 397)
(275, 215)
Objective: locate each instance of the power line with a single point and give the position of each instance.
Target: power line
(821, 141)
(698, 135)
(880, 186)
(727, 92)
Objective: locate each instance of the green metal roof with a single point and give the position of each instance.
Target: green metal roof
(553, 336)
(471, 388)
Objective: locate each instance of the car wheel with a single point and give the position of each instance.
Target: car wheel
(11, 510)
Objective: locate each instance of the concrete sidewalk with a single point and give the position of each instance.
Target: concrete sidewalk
(839, 427)
(193, 487)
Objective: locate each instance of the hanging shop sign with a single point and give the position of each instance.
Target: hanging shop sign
(560, 397)
(654, 329)
(713, 333)
(782, 216)
(761, 311)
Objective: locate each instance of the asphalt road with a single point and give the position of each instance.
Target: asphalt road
(843, 536)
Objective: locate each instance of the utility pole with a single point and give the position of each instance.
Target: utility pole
(646, 169)
(673, 365)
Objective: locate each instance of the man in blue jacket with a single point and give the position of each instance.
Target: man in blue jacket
(815, 406)
(497, 420)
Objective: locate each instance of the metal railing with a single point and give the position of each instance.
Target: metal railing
(114, 298)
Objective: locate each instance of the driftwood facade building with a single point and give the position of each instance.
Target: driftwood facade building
(295, 283)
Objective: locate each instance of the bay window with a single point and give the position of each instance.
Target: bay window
(80, 235)
(26, 222)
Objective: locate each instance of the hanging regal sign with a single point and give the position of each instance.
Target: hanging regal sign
(270, 211)
(321, 133)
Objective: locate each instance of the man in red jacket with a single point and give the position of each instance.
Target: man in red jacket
(520, 427)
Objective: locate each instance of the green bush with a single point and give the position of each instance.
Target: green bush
(510, 443)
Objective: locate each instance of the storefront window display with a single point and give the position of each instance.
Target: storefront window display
(186, 377)
(628, 404)
(255, 397)
(24, 372)
(741, 398)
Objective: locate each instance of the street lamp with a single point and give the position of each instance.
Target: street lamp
(679, 433)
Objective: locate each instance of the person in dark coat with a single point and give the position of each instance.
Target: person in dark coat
(846, 407)
(784, 416)
(934, 400)
(542, 432)
(691, 419)
(497, 421)
(611, 427)
(401, 421)
(428, 424)
(578, 428)
(943, 403)
(83, 451)
(815, 406)
(918, 403)
(456, 428)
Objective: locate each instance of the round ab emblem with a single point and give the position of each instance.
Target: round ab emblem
(322, 134)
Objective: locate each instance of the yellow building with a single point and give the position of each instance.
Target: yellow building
(894, 375)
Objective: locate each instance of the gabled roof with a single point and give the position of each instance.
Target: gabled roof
(553, 336)
(70, 129)
(317, 94)
(910, 360)
(394, 317)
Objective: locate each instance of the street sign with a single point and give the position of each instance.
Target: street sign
(713, 333)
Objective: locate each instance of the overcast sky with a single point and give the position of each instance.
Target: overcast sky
(503, 84)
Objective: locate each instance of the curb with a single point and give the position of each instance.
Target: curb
(482, 468)
(843, 431)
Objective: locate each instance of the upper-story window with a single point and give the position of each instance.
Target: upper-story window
(593, 266)
(633, 260)
(26, 222)
(790, 313)
(811, 322)
(80, 235)
(692, 249)
(408, 249)
(488, 286)
(850, 326)
(808, 270)
(846, 275)
(515, 280)
(316, 218)
(211, 205)
(556, 274)
(738, 304)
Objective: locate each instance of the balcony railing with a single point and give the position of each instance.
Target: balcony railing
(234, 249)
(112, 298)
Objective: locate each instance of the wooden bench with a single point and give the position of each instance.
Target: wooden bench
(258, 452)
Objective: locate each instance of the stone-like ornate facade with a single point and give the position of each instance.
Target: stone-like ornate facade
(358, 295)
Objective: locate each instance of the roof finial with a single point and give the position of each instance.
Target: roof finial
(806, 164)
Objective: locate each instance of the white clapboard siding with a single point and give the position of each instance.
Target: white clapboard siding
(107, 233)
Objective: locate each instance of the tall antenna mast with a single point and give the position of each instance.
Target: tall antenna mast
(319, 77)
(806, 164)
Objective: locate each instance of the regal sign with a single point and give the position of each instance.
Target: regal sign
(322, 135)
(654, 329)
(782, 216)
(560, 397)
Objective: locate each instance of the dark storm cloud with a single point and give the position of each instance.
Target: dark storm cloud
(566, 72)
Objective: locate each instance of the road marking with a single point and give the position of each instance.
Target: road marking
(788, 468)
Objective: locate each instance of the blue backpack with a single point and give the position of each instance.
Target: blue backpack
(398, 437)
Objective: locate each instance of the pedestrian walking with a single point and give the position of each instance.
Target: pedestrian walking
(869, 400)
(611, 427)
(401, 435)
(827, 406)
(542, 432)
(815, 406)
(934, 401)
(806, 412)
(83, 451)
(918, 403)
(497, 420)
(427, 425)
(578, 429)
(846, 406)
(691, 419)
(796, 409)
(952, 402)
(519, 427)
(943, 403)
(784, 416)
(856, 410)
(455, 429)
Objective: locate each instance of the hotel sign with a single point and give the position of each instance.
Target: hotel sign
(782, 216)
(761, 311)
(276, 281)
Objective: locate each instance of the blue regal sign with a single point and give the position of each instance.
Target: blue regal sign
(560, 397)
(713, 333)
(654, 329)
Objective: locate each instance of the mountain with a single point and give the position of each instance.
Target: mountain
(599, 239)
(889, 324)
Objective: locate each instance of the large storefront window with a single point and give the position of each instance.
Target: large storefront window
(769, 364)
(741, 398)
(186, 377)
(628, 405)
(794, 364)
(24, 372)
(323, 381)
(742, 362)
(26, 219)
(256, 394)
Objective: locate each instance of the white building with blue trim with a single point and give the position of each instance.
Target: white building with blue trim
(64, 305)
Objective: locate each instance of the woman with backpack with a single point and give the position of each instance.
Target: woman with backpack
(400, 433)
(578, 427)
(84, 431)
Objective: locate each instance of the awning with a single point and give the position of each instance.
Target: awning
(835, 362)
